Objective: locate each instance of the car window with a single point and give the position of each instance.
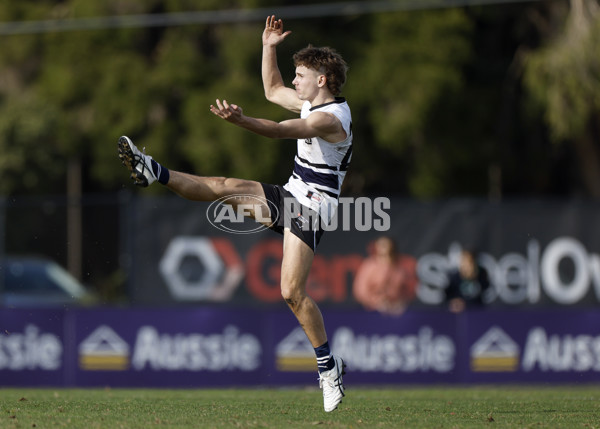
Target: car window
(68, 283)
(28, 277)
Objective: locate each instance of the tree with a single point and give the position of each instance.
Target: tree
(435, 96)
(409, 62)
(564, 80)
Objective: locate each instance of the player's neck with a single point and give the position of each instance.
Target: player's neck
(322, 98)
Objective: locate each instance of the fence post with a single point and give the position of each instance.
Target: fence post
(2, 241)
(126, 239)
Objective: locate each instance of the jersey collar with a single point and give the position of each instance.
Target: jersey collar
(338, 100)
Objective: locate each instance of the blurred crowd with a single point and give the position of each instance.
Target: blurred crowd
(387, 280)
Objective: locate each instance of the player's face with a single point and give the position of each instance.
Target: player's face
(467, 265)
(307, 82)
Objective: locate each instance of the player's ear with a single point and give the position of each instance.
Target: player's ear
(322, 80)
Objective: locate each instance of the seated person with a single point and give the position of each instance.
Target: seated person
(386, 281)
(467, 284)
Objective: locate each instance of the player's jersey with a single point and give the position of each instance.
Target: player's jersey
(320, 166)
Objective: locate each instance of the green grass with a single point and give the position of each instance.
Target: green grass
(422, 407)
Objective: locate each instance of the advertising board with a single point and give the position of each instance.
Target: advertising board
(209, 347)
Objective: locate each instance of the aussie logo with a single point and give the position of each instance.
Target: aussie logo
(104, 350)
(495, 351)
(294, 353)
(31, 349)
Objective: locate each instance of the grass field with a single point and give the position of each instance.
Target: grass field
(422, 407)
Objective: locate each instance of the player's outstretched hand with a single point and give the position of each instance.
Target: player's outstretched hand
(229, 112)
(273, 34)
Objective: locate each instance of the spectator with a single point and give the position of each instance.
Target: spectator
(386, 281)
(466, 284)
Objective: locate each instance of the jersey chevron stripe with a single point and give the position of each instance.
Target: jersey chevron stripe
(330, 192)
(311, 176)
(313, 164)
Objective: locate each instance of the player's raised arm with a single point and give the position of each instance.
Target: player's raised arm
(275, 90)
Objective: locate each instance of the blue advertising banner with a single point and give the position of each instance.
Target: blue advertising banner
(207, 347)
(183, 348)
(532, 347)
(33, 348)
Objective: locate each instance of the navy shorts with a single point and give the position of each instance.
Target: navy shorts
(304, 224)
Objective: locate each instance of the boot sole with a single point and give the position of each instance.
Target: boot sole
(127, 158)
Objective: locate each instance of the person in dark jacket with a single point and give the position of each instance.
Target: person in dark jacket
(466, 284)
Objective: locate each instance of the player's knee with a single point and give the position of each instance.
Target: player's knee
(229, 186)
(216, 186)
(291, 294)
(286, 293)
(234, 186)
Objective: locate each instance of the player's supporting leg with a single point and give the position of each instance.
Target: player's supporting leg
(297, 260)
(145, 171)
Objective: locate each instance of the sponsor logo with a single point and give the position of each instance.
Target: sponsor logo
(518, 279)
(212, 269)
(30, 350)
(421, 352)
(542, 352)
(495, 351)
(301, 221)
(295, 353)
(104, 350)
(199, 268)
(226, 351)
(317, 198)
(561, 353)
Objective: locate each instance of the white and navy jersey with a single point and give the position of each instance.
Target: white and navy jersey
(320, 166)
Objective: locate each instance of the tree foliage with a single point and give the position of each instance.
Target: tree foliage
(563, 77)
(428, 90)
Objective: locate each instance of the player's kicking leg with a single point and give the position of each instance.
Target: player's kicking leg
(138, 163)
(145, 171)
